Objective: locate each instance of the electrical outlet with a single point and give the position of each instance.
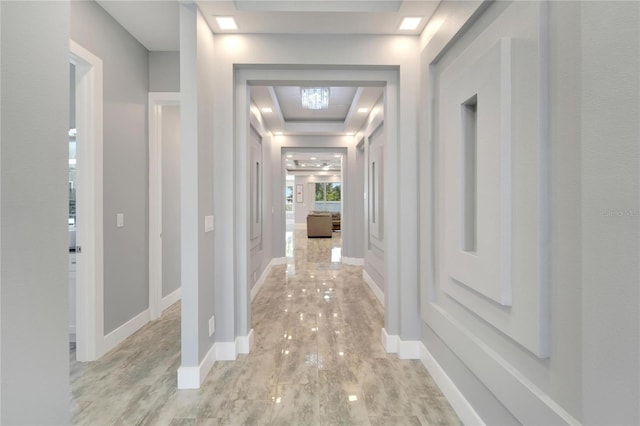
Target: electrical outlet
(212, 326)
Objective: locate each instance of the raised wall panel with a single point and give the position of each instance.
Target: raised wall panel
(256, 172)
(490, 147)
(476, 135)
(376, 193)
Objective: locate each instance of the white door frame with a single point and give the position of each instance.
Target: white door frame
(244, 77)
(89, 229)
(156, 101)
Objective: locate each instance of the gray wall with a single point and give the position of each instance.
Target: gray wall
(34, 83)
(170, 199)
(164, 71)
(126, 87)
(591, 373)
(610, 206)
(196, 153)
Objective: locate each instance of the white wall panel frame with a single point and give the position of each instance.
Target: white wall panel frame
(525, 318)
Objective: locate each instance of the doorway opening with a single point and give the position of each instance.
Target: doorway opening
(86, 206)
(164, 202)
(386, 107)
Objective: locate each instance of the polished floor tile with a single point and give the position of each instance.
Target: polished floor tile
(317, 360)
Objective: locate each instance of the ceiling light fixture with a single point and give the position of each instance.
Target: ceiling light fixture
(315, 98)
(410, 23)
(226, 23)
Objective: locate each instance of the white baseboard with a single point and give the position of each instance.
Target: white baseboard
(415, 349)
(458, 402)
(120, 334)
(192, 377)
(263, 277)
(406, 349)
(170, 299)
(409, 349)
(228, 351)
(373, 286)
(245, 343)
(389, 342)
(527, 402)
(355, 261)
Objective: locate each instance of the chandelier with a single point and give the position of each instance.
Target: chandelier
(315, 97)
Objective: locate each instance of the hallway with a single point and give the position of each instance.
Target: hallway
(317, 359)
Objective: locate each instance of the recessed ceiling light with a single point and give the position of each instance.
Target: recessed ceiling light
(313, 158)
(226, 23)
(337, 155)
(410, 23)
(267, 109)
(289, 155)
(350, 134)
(361, 110)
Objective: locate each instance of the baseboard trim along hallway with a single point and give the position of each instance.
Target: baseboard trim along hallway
(373, 286)
(127, 329)
(263, 277)
(415, 349)
(192, 377)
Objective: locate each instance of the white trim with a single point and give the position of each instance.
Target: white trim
(263, 277)
(170, 299)
(390, 342)
(90, 263)
(189, 377)
(156, 101)
(409, 349)
(192, 377)
(373, 286)
(300, 226)
(355, 261)
(244, 343)
(458, 402)
(406, 349)
(121, 333)
(496, 374)
(228, 351)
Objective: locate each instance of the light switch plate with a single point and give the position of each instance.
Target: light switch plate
(212, 325)
(208, 223)
(120, 220)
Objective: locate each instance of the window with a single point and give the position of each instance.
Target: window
(289, 198)
(328, 196)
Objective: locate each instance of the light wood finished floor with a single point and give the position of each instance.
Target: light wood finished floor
(317, 360)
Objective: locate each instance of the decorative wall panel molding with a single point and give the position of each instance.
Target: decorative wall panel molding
(489, 114)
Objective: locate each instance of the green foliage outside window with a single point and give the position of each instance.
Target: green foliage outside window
(330, 191)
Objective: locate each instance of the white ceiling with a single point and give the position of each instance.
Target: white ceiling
(305, 162)
(288, 117)
(156, 23)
